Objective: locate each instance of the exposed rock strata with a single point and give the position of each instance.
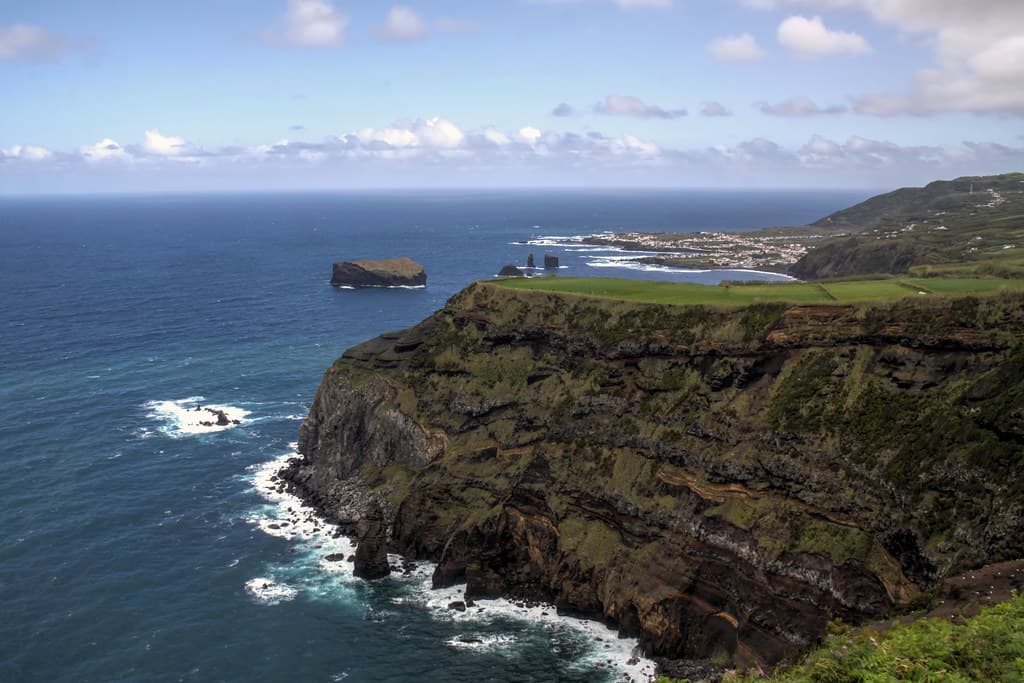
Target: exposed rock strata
(710, 481)
(396, 272)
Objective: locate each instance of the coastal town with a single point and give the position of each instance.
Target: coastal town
(772, 250)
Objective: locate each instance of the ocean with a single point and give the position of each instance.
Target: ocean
(140, 546)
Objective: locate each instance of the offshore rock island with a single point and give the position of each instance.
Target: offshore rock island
(710, 480)
(396, 272)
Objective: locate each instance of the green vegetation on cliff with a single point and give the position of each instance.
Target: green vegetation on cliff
(976, 223)
(988, 647)
(744, 294)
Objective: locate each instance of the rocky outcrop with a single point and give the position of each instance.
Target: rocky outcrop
(715, 482)
(371, 560)
(529, 262)
(510, 271)
(396, 272)
(550, 261)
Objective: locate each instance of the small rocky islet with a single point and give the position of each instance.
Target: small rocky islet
(394, 272)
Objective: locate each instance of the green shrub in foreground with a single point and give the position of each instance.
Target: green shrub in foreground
(988, 647)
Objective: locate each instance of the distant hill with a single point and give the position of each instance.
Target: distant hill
(973, 223)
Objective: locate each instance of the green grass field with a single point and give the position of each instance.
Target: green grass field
(848, 291)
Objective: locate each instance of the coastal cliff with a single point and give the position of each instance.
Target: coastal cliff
(714, 481)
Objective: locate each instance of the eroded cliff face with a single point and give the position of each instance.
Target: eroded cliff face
(710, 481)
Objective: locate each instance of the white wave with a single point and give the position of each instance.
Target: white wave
(382, 287)
(469, 641)
(286, 516)
(268, 591)
(190, 416)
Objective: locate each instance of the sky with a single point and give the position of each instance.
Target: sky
(248, 95)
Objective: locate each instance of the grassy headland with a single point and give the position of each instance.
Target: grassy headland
(743, 294)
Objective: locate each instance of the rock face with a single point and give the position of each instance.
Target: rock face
(550, 262)
(510, 271)
(714, 482)
(396, 272)
(529, 261)
(372, 549)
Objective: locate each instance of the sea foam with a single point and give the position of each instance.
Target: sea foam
(286, 516)
(187, 416)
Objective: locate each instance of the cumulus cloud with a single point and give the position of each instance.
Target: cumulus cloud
(977, 62)
(106, 149)
(310, 23)
(26, 153)
(563, 109)
(810, 38)
(163, 145)
(627, 105)
(741, 48)
(437, 151)
(798, 107)
(714, 109)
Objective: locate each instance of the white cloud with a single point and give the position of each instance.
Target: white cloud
(403, 24)
(105, 150)
(627, 105)
(310, 23)
(714, 109)
(741, 48)
(29, 43)
(434, 133)
(810, 38)
(163, 145)
(529, 135)
(26, 153)
(978, 65)
(798, 107)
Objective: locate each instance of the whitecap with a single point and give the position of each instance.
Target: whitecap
(286, 516)
(268, 591)
(189, 416)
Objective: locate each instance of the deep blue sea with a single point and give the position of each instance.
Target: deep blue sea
(135, 548)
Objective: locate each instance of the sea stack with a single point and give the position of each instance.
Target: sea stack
(395, 272)
(372, 550)
(530, 262)
(550, 262)
(510, 271)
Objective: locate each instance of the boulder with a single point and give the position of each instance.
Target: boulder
(395, 272)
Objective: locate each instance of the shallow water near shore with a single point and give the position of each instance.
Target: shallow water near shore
(139, 540)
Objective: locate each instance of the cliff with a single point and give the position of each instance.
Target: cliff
(396, 272)
(711, 480)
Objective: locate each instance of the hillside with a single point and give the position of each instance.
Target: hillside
(975, 221)
(718, 481)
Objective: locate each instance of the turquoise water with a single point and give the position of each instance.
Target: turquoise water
(135, 550)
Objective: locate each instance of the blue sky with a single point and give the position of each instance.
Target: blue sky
(338, 94)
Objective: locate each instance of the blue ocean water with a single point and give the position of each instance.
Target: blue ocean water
(136, 550)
